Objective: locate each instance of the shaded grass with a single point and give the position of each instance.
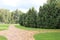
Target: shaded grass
(48, 36)
(3, 26)
(25, 28)
(3, 38)
(28, 28)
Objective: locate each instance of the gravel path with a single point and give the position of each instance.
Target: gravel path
(14, 33)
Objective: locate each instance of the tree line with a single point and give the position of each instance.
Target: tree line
(48, 16)
(9, 17)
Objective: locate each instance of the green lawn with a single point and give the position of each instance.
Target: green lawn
(48, 36)
(4, 26)
(26, 28)
(3, 38)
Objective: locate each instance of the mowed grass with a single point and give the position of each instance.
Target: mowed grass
(48, 36)
(3, 26)
(3, 38)
(26, 28)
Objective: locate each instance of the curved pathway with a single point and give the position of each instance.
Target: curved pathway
(14, 33)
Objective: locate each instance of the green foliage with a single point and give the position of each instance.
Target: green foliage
(9, 17)
(47, 17)
(15, 16)
(54, 1)
(29, 19)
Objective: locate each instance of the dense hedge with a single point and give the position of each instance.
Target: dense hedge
(47, 17)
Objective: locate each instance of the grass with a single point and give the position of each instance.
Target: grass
(48, 36)
(3, 38)
(4, 26)
(25, 28)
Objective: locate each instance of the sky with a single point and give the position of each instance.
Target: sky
(22, 5)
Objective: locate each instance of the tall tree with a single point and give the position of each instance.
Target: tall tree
(48, 16)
